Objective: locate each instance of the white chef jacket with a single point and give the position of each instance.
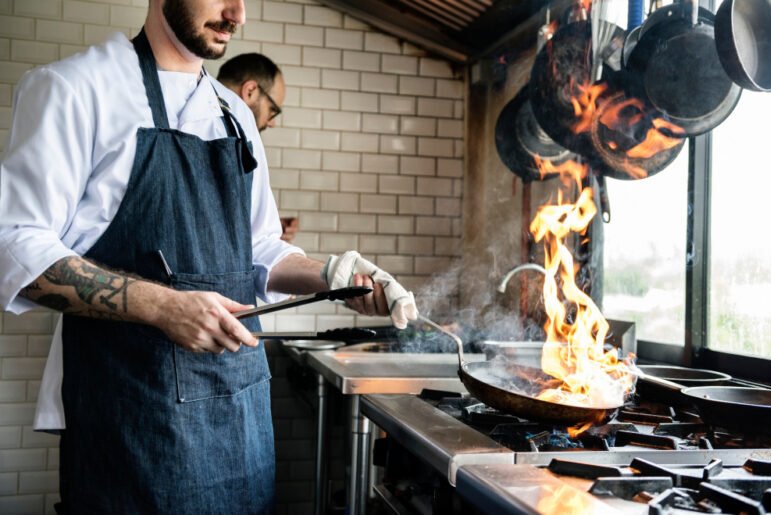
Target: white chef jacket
(67, 164)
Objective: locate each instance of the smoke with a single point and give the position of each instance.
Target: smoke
(485, 313)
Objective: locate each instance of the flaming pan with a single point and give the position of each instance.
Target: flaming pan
(503, 385)
(490, 382)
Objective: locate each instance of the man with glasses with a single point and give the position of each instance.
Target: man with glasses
(260, 84)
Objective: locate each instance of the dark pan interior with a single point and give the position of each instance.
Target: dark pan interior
(686, 376)
(491, 383)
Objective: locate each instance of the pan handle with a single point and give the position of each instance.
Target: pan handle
(604, 200)
(658, 380)
(694, 7)
(455, 338)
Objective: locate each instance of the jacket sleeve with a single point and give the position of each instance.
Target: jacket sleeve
(267, 246)
(43, 174)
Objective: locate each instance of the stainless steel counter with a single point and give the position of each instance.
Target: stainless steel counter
(525, 489)
(363, 372)
(439, 439)
(356, 373)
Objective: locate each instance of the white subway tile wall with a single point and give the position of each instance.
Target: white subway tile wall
(368, 155)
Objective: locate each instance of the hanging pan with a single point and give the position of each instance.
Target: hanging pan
(560, 69)
(675, 67)
(520, 140)
(743, 39)
(630, 138)
(562, 65)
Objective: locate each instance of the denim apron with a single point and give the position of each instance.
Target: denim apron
(151, 427)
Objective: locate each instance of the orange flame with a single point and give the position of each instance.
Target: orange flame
(563, 499)
(585, 104)
(655, 141)
(574, 350)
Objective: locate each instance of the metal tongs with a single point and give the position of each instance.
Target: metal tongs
(338, 294)
(344, 334)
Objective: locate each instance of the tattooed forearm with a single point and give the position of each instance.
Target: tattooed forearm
(102, 293)
(54, 301)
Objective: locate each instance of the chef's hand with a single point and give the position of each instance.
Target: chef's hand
(201, 321)
(350, 269)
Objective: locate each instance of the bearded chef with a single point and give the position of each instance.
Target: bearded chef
(134, 198)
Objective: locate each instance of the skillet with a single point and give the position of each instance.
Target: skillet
(491, 383)
(733, 407)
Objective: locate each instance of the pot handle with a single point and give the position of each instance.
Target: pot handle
(694, 7)
(602, 190)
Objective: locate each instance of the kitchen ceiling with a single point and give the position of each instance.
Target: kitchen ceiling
(459, 30)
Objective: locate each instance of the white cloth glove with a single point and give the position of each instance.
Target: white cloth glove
(339, 272)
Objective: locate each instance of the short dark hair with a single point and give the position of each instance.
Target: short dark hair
(252, 66)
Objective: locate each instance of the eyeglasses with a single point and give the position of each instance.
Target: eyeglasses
(275, 110)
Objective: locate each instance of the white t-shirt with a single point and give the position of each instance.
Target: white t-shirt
(67, 164)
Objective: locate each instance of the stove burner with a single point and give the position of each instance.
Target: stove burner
(640, 424)
(665, 488)
(478, 413)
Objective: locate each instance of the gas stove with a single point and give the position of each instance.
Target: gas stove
(451, 454)
(640, 428)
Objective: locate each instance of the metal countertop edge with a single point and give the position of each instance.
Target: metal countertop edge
(400, 417)
(488, 496)
(339, 374)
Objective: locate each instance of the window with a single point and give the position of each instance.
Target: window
(739, 313)
(644, 253)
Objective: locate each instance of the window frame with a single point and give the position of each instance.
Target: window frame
(696, 352)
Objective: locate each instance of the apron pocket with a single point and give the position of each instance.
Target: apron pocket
(205, 375)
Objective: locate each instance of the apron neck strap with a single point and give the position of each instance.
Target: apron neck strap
(233, 127)
(150, 79)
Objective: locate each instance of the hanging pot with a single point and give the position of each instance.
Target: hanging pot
(675, 67)
(629, 43)
(743, 39)
(519, 139)
(561, 67)
(627, 139)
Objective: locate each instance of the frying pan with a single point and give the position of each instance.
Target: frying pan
(519, 138)
(685, 376)
(489, 382)
(743, 409)
(614, 145)
(560, 66)
(650, 387)
(743, 39)
(563, 64)
(676, 68)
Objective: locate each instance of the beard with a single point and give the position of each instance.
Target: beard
(182, 23)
